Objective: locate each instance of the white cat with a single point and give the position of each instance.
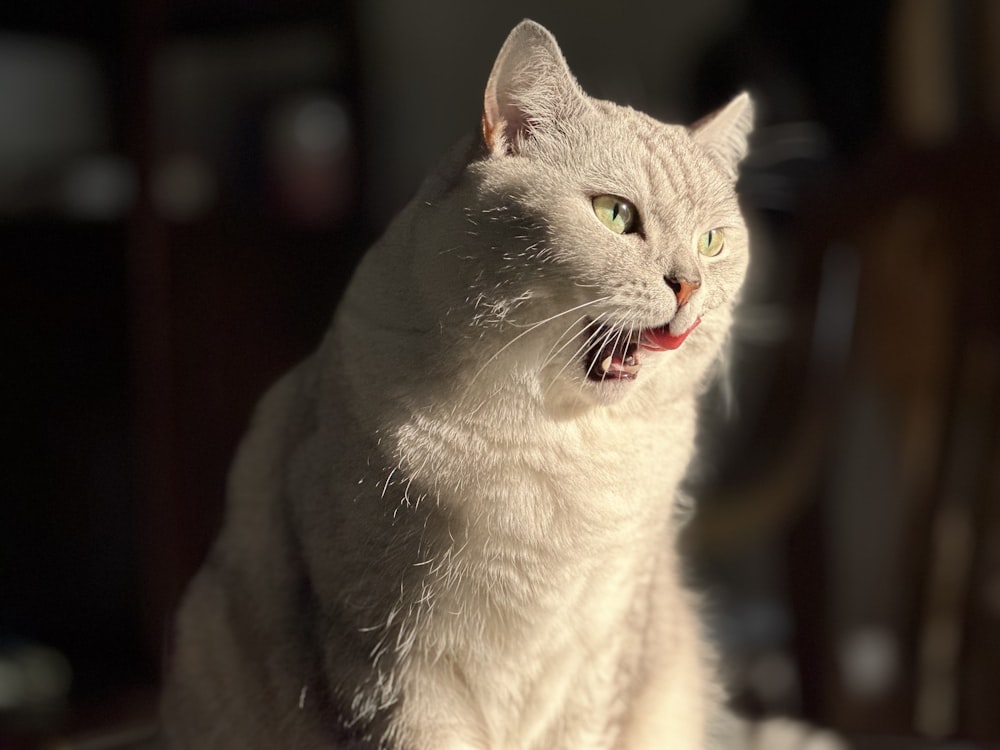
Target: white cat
(453, 526)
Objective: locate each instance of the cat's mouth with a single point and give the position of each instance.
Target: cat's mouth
(615, 354)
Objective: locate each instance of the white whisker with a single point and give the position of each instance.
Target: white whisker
(532, 327)
(556, 349)
(587, 344)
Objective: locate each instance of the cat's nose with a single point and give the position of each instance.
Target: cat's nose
(682, 288)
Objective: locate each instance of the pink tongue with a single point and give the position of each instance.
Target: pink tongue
(656, 339)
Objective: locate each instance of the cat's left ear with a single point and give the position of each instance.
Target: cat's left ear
(529, 88)
(725, 131)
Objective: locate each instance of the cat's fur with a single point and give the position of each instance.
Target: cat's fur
(441, 533)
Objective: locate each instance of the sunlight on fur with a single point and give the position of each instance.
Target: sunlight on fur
(453, 525)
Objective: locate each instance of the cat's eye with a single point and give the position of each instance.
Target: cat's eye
(617, 214)
(712, 242)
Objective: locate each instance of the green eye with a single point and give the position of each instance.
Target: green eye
(712, 242)
(617, 214)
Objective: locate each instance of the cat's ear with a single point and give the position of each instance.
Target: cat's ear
(725, 131)
(529, 88)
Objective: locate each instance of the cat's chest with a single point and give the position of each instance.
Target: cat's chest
(602, 460)
(555, 640)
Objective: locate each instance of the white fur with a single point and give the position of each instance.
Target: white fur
(441, 533)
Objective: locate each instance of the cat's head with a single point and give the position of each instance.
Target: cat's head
(605, 247)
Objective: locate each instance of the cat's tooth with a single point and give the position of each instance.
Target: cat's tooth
(630, 366)
(606, 363)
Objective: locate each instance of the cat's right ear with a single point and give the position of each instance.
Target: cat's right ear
(725, 132)
(530, 86)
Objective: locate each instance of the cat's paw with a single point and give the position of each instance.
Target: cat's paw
(786, 734)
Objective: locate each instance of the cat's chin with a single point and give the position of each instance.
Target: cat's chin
(609, 391)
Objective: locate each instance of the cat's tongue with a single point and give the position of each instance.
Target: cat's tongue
(659, 339)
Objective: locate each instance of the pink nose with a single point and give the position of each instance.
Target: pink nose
(683, 289)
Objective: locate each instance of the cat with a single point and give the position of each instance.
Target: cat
(453, 526)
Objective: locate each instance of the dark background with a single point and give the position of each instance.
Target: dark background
(186, 184)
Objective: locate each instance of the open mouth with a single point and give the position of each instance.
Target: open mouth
(615, 355)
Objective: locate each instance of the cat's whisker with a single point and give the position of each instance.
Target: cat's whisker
(568, 334)
(532, 327)
(574, 357)
(600, 338)
(583, 347)
(527, 295)
(611, 332)
(482, 402)
(556, 349)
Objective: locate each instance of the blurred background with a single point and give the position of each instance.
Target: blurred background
(185, 186)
